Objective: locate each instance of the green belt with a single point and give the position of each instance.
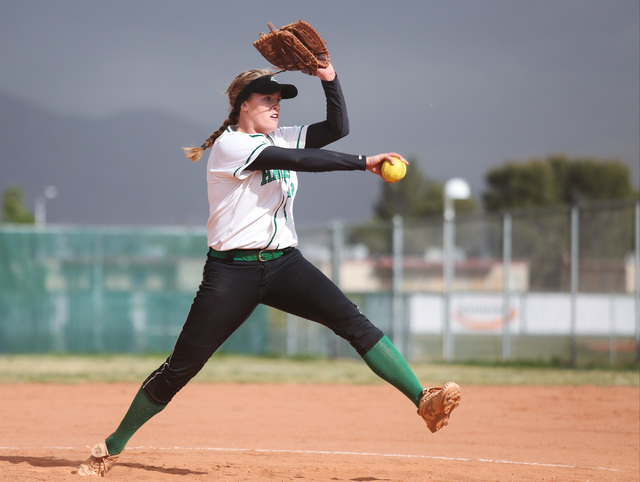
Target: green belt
(248, 254)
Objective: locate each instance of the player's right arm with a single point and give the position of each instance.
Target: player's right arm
(307, 160)
(319, 160)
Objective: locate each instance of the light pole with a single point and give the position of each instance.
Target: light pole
(454, 189)
(41, 205)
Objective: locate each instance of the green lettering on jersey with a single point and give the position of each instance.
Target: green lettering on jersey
(266, 177)
(273, 175)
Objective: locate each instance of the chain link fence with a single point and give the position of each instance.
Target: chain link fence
(554, 285)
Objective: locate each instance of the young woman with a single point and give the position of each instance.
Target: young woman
(252, 258)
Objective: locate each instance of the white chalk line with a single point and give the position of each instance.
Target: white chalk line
(334, 452)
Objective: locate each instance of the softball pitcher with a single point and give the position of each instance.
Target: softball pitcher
(253, 259)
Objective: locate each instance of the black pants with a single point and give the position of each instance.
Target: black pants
(228, 294)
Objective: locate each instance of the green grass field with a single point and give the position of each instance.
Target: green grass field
(244, 369)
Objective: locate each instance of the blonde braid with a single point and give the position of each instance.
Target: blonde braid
(238, 84)
(195, 153)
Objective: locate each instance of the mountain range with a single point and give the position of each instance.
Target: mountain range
(130, 170)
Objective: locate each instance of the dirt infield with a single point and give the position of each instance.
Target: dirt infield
(319, 433)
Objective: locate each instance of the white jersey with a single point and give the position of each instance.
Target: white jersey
(251, 209)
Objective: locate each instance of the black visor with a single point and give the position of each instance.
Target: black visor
(267, 84)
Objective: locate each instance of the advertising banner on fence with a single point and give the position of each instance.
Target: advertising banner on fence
(525, 314)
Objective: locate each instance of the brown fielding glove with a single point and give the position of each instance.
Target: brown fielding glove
(296, 46)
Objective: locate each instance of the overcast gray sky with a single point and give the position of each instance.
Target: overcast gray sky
(459, 85)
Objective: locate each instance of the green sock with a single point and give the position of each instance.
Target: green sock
(140, 411)
(387, 362)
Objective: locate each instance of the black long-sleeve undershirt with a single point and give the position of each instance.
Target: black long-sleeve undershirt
(320, 134)
(336, 125)
(307, 160)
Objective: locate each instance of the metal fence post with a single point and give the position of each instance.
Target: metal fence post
(575, 233)
(448, 267)
(506, 288)
(613, 350)
(291, 335)
(97, 294)
(336, 260)
(637, 300)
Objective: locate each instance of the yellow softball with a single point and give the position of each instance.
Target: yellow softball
(393, 172)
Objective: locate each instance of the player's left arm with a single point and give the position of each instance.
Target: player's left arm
(336, 125)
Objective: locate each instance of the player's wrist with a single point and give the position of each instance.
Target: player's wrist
(327, 74)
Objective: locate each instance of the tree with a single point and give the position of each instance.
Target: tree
(13, 208)
(544, 237)
(591, 180)
(414, 196)
(556, 180)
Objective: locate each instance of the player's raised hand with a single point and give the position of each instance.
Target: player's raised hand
(326, 74)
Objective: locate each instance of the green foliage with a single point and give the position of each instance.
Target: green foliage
(415, 196)
(562, 182)
(543, 238)
(591, 180)
(13, 208)
(556, 180)
(520, 185)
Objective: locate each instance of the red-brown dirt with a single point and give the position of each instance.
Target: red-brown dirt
(330, 432)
